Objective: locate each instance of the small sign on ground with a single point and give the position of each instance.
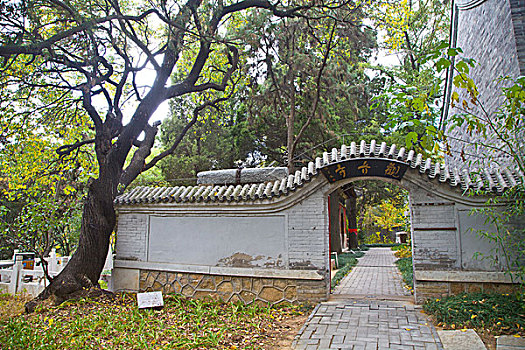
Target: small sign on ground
(150, 300)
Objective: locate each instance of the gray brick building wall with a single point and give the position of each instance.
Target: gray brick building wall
(518, 21)
(485, 31)
(307, 227)
(132, 235)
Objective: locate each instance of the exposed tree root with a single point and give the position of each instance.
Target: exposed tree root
(65, 288)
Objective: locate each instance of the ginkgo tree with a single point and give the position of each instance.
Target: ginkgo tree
(389, 214)
(41, 195)
(96, 51)
(40, 191)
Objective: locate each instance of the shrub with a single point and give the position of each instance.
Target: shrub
(402, 251)
(497, 313)
(381, 245)
(405, 267)
(378, 238)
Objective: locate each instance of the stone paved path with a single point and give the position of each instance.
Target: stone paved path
(370, 309)
(375, 275)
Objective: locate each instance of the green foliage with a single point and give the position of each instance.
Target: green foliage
(497, 313)
(413, 93)
(382, 207)
(308, 87)
(118, 324)
(346, 262)
(219, 140)
(405, 267)
(507, 235)
(390, 215)
(346, 258)
(399, 247)
(499, 134)
(378, 238)
(403, 251)
(40, 191)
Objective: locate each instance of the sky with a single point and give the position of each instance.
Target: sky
(147, 76)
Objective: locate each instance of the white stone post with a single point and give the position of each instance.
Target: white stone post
(52, 262)
(15, 275)
(108, 265)
(14, 254)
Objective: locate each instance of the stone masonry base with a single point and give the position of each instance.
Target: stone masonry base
(234, 288)
(436, 289)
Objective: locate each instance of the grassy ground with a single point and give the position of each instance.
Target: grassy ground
(490, 315)
(11, 306)
(116, 323)
(404, 263)
(405, 267)
(499, 313)
(346, 262)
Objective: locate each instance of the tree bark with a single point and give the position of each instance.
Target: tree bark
(351, 212)
(290, 121)
(83, 270)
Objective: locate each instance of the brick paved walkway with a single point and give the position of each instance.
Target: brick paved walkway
(375, 275)
(363, 313)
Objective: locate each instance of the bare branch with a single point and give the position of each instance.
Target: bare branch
(39, 47)
(188, 126)
(318, 89)
(67, 149)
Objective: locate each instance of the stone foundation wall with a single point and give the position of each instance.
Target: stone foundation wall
(435, 289)
(234, 288)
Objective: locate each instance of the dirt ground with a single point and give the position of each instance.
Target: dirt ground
(283, 338)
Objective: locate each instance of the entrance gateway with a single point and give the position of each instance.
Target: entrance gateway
(268, 242)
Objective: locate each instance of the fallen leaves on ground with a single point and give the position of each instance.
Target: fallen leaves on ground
(116, 323)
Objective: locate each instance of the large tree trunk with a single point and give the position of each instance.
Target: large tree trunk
(290, 122)
(83, 270)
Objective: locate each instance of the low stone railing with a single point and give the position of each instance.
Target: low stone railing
(31, 281)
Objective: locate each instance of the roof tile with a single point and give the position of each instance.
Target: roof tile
(494, 180)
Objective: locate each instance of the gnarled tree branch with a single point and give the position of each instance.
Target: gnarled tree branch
(67, 149)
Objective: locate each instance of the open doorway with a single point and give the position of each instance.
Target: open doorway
(369, 224)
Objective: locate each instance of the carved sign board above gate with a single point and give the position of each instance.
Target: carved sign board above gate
(346, 169)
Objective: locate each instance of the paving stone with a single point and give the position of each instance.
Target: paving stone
(430, 346)
(509, 342)
(375, 274)
(461, 339)
(338, 339)
(324, 343)
(370, 324)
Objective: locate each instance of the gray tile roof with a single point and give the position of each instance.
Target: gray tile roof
(494, 180)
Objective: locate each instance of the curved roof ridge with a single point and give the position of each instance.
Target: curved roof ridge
(494, 179)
